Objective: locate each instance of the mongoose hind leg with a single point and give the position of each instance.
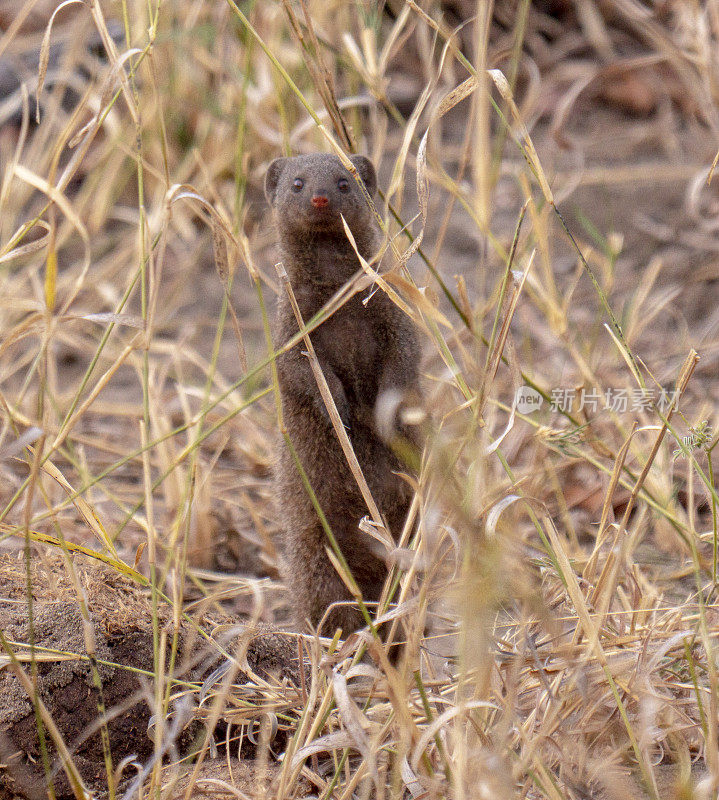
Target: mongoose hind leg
(315, 584)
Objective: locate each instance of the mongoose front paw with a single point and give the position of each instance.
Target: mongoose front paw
(398, 412)
(400, 421)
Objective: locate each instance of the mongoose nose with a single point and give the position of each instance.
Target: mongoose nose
(319, 201)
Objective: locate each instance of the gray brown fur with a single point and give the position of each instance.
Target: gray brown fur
(363, 351)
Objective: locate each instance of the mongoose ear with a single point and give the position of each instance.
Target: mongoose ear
(272, 178)
(366, 172)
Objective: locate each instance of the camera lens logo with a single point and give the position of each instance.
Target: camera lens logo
(528, 400)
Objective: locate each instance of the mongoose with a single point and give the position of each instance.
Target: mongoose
(364, 350)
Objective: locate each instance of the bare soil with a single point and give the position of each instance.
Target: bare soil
(121, 629)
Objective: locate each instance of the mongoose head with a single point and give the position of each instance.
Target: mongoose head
(308, 193)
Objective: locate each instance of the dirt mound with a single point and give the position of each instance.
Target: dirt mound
(111, 645)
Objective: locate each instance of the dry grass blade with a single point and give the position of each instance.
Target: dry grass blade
(589, 570)
(320, 73)
(529, 150)
(333, 413)
(560, 647)
(222, 265)
(495, 354)
(354, 723)
(380, 280)
(83, 507)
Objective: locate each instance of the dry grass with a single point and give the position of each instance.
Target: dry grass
(557, 582)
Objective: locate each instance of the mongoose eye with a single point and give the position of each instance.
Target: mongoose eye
(297, 184)
(343, 184)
